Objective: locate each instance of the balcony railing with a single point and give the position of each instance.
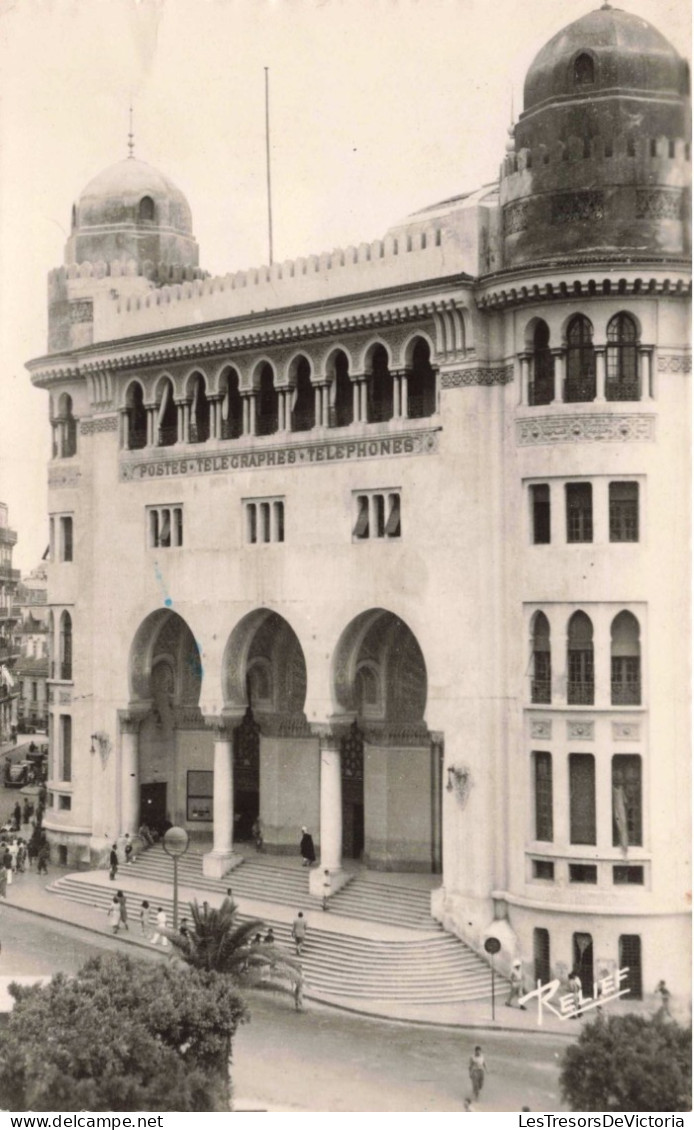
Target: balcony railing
(626, 694)
(199, 433)
(378, 413)
(168, 437)
(581, 694)
(341, 416)
(540, 392)
(541, 690)
(137, 438)
(303, 421)
(622, 390)
(231, 429)
(266, 425)
(579, 390)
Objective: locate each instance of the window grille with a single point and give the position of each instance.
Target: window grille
(582, 798)
(579, 512)
(622, 381)
(541, 955)
(544, 823)
(541, 515)
(580, 361)
(624, 511)
(626, 801)
(630, 958)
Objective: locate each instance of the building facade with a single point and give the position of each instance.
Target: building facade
(389, 542)
(9, 620)
(32, 666)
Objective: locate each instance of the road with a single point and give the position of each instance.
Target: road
(322, 1059)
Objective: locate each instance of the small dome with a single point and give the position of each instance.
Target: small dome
(605, 49)
(133, 192)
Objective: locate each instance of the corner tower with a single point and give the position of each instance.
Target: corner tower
(600, 160)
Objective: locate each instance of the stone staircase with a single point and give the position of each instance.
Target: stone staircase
(407, 956)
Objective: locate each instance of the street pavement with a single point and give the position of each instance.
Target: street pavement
(323, 1059)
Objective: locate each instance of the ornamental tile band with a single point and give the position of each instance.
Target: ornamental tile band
(675, 363)
(585, 429)
(103, 424)
(464, 378)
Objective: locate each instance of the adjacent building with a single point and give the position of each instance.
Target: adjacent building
(9, 619)
(391, 541)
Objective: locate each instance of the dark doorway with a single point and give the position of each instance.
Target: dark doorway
(246, 776)
(630, 958)
(153, 805)
(583, 961)
(352, 763)
(541, 955)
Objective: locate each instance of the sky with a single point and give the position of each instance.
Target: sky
(377, 108)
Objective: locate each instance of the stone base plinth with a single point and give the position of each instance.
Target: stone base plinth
(217, 864)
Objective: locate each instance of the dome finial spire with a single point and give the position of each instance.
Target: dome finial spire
(131, 135)
(606, 5)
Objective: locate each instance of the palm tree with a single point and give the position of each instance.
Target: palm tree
(219, 943)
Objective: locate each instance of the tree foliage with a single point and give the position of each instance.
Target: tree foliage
(629, 1063)
(121, 1035)
(218, 942)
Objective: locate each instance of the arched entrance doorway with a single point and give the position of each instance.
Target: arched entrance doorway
(275, 773)
(390, 769)
(174, 764)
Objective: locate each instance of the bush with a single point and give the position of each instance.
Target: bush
(629, 1063)
(121, 1035)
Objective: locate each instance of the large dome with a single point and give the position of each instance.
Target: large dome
(131, 211)
(120, 194)
(625, 52)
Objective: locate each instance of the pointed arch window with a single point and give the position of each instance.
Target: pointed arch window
(584, 70)
(136, 416)
(421, 383)
(379, 388)
(541, 389)
(626, 660)
(199, 411)
(268, 414)
(622, 359)
(303, 415)
(580, 361)
(541, 686)
(145, 211)
(232, 406)
(341, 412)
(581, 681)
(66, 646)
(167, 417)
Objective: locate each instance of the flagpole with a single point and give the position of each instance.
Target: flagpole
(267, 161)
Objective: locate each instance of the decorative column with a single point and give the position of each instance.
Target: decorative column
(647, 390)
(129, 771)
(404, 403)
(600, 375)
(215, 417)
(330, 817)
(397, 410)
(185, 438)
(524, 359)
(246, 415)
(363, 401)
(217, 862)
(318, 406)
(356, 402)
(123, 428)
(151, 424)
(252, 413)
(559, 369)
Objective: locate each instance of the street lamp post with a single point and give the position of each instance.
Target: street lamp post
(492, 946)
(175, 844)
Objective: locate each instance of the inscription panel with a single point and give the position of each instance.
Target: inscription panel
(585, 429)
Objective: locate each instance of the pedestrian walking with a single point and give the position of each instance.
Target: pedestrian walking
(299, 994)
(308, 851)
(42, 858)
(664, 995)
(14, 852)
(26, 811)
(257, 833)
(122, 902)
(3, 882)
(159, 935)
(299, 931)
(327, 886)
(129, 854)
(17, 814)
(7, 857)
(21, 856)
(32, 852)
(113, 914)
(145, 918)
(516, 985)
(576, 990)
(113, 863)
(477, 1070)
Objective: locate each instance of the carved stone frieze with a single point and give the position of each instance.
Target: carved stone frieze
(675, 363)
(102, 424)
(658, 203)
(491, 375)
(59, 476)
(580, 731)
(572, 207)
(626, 731)
(603, 428)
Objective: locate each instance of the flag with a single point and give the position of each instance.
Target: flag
(6, 677)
